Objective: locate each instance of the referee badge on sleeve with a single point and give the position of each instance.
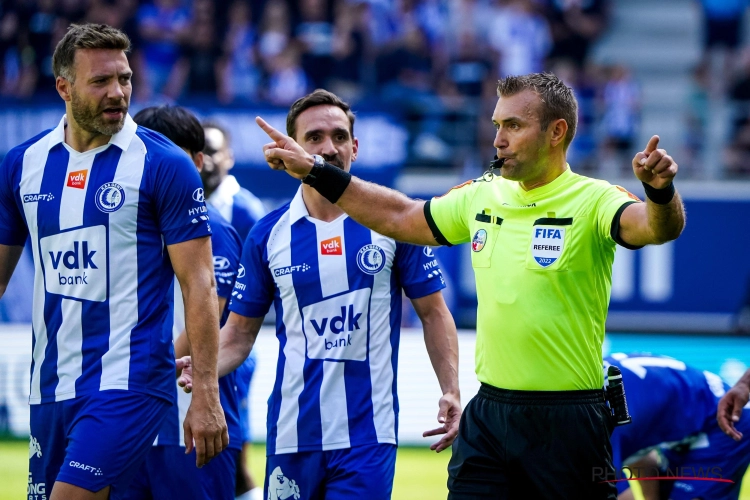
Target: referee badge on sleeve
(547, 243)
(478, 241)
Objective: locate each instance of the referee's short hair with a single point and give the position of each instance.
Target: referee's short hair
(85, 36)
(319, 97)
(177, 123)
(557, 99)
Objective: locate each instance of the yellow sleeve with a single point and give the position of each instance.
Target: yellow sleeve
(611, 203)
(447, 215)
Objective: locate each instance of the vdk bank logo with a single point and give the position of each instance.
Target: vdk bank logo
(77, 179)
(331, 246)
(337, 328)
(75, 263)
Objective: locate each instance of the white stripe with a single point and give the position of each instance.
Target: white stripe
(292, 383)
(334, 418)
(183, 403)
(123, 269)
(72, 200)
(381, 369)
(333, 276)
(69, 350)
(34, 160)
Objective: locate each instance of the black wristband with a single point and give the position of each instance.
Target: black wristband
(329, 180)
(659, 196)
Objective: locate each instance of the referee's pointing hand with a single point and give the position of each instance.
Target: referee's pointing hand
(284, 153)
(654, 166)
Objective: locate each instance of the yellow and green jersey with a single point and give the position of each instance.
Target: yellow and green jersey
(543, 265)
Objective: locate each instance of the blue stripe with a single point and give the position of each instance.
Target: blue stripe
(357, 379)
(304, 249)
(169, 434)
(151, 338)
(274, 401)
(95, 325)
(395, 338)
(48, 223)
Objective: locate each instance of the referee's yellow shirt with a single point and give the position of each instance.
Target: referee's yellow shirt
(543, 266)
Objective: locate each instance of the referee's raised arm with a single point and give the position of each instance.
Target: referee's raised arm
(382, 209)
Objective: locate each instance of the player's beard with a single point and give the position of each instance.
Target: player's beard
(90, 118)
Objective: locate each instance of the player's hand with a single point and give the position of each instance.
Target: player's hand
(449, 416)
(654, 166)
(730, 409)
(185, 380)
(284, 153)
(205, 426)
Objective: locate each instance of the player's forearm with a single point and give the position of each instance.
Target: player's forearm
(666, 222)
(236, 341)
(744, 381)
(9, 256)
(202, 327)
(441, 341)
(387, 212)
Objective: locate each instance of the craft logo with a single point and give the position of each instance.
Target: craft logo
(77, 179)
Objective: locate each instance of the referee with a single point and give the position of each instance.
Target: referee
(542, 244)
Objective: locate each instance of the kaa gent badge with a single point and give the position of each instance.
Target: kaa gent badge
(547, 244)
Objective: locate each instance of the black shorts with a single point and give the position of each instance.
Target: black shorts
(533, 444)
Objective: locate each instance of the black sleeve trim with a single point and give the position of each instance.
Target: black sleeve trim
(553, 221)
(483, 218)
(615, 229)
(433, 227)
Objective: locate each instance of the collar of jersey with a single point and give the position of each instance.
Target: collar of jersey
(121, 139)
(226, 190)
(298, 210)
(547, 188)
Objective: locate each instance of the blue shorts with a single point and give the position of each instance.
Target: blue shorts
(169, 473)
(358, 472)
(719, 456)
(93, 441)
(244, 376)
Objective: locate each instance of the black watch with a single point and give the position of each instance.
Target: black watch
(318, 165)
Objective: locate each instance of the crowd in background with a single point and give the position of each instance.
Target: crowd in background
(433, 62)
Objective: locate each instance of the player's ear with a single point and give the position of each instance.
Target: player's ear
(198, 159)
(355, 148)
(64, 88)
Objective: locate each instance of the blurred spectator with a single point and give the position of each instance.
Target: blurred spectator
(201, 67)
(697, 116)
(575, 25)
(315, 34)
(275, 28)
(472, 17)
(349, 50)
(163, 26)
(242, 73)
(622, 103)
(521, 37)
(585, 84)
(286, 80)
(722, 30)
(470, 66)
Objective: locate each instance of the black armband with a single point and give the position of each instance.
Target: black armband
(659, 196)
(329, 180)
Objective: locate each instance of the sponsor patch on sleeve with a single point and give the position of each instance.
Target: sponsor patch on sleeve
(459, 186)
(630, 195)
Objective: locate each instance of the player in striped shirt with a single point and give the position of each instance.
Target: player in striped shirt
(168, 471)
(109, 208)
(242, 209)
(336, 287)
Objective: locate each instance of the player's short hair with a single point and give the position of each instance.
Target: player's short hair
(85, 36)
(557, 99)
(220, 127)
(177, 123)
(318, 97)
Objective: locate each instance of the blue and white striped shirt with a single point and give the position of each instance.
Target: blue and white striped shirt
(237, 205)
(99, 222)
(336, 287)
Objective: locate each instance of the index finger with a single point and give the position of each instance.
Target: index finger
(272, 132)
(652, 145)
